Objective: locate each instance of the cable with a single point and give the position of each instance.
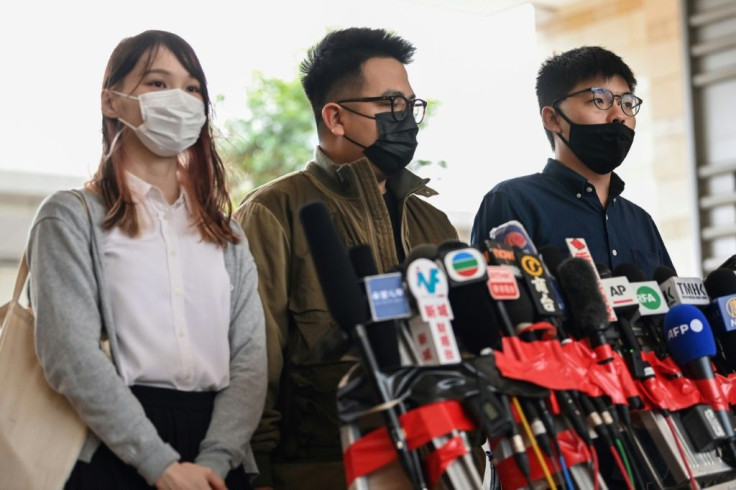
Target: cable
(693, 483)
(625, 459)
(533, 442)
(517, 445)
(596, 485)
(621, 468)
(566, 472)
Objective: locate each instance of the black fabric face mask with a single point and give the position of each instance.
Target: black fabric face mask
(601, 147)
(396, 143)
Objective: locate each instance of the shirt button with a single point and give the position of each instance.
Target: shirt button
(606, 217)
(588, 189)
(614, 199)
(578, 195)
(177, 292)
(614, 253)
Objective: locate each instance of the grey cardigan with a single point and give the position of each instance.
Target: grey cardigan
(72, 309)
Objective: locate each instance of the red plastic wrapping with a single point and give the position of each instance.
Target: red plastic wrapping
(375, 450)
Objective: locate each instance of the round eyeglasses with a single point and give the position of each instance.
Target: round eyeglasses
(603, 100)
(400, 106)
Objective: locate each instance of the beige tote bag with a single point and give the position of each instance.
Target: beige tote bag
(40, 433)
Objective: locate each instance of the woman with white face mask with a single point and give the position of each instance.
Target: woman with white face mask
(150, 260)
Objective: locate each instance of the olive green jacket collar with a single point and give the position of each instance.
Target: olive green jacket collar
(343, 179)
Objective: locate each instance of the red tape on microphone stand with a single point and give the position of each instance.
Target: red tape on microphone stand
(375, 450)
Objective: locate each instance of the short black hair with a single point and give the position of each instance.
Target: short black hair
(333, 66)
(560, 73)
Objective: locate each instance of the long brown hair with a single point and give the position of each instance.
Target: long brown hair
(204, 172)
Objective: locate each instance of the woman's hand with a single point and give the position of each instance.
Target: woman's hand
(189, 476)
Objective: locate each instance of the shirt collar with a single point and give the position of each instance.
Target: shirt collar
(575, 182)
(140, 190)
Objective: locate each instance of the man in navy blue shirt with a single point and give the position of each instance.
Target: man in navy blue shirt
(589, 112)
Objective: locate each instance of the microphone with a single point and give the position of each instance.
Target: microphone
(578, 248)
(542, 288)
(721, 287)
(585, 302)
(475, 310)
(590, 316)
(343, 297)
(691, 344)
(431, 329)
(513, 234)
(552, 257)
(623, 298)
(386, 301)
(652, 306)
(475, 321)
(730, 263)
(680, 290)
(603, 271)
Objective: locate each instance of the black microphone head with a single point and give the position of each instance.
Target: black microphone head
(474, 323)
(662, 273)
(552, 258)
(381, 335)
(521, 310)
(423, 251)
(584, 300)
(449, 245)
(603, 270)
(630, 272)
(720, 282)
(729, 263)
(361, 256)
(334, 270)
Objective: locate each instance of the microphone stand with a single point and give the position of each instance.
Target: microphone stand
(462, 473)
(409, 460)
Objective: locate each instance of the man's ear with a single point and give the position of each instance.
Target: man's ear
(107, 104)
(332, 117)
(551, 120)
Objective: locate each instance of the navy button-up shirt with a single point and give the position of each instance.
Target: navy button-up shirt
(559, 203)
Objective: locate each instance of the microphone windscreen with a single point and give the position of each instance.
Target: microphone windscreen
(584, 300)
(730, 263)
(336, 275)
(382, 336)
(603, 270)
(720, 282)
(688, 334)
(475, 322)
(450, 245)
(423, 251)
(520, 310)
(630, 272)
(361, 256)
(662, 273)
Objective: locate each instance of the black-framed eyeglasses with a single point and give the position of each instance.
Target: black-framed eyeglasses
(400, 106)
(603, 100)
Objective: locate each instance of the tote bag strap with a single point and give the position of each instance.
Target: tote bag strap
(20, 281)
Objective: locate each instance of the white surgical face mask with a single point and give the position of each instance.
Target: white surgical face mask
(172, 120)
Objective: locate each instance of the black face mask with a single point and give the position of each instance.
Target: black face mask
(396, 143)
(601, 147)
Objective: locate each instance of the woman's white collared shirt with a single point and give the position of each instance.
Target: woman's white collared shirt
(170, 296)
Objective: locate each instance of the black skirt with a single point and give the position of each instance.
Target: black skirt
(181, 419)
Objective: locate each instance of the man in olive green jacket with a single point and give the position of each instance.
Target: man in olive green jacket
(367, 116)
